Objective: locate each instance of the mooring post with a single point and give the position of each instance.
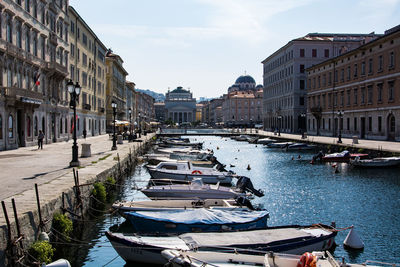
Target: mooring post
(9, 242)
(20, 237)
(41, 224)
(119, 167)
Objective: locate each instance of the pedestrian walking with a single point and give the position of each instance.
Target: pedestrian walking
(40, 139)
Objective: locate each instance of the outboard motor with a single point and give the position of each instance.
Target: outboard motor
(243, 201)
(244, 184)
(318, 156)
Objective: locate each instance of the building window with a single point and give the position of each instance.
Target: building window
(392, 124)
(355, 96)
(61, 126)
(301, 100)
(10, 126)
(84, 59)
(35, 45)
(348, 98)
(19, 2)
(391, 60)
(19, 36)
(363, 68)
(391, 91)
(302, 53)
(72, 50)
(43, 48)
(329, 124)
(379, 124)
(370, 65)
(1, 127)
(370, 94)
(342, 75)
(66, 126)
(329, 78)
(335, 78)
(326, 52)
(380, 91)
(301, 68)
(28, 41)
(302, 84)
(355, 70)
(348, 73)
(342, 98)
(84, 39)
(34, 7)
(370, 124)
(348, 124)
(28, 6)
(363, 95)
(380, 63)
(355, 124)
(43, 16)
(314, 53)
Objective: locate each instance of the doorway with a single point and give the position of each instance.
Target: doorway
(391, 127)
(20, 128)
(362, 130)
(53, 127)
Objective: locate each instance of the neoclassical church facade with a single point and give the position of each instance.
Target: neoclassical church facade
(180, 106)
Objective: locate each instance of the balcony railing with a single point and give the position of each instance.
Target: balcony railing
(58, 68)
(20, 94)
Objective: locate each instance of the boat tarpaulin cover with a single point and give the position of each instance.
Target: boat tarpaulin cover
(266, 236)
(202, 215)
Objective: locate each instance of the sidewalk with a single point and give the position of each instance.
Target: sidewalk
(23, 167)
(346, 142)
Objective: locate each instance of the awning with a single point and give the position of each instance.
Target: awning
(121, 123)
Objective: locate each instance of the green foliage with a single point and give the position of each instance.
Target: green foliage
(42, 251)
(361, 150)
(106, 156)
(110, 184)
(62, 224)
(99, 192)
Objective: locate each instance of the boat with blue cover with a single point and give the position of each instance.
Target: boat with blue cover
(196, 220)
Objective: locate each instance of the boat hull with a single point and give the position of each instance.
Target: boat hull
(152, 247)
(190, 194)
(208, 179)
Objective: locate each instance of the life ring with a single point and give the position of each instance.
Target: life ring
(307, 260)
(196, 172)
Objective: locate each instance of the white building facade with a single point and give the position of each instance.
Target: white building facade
(180, 106)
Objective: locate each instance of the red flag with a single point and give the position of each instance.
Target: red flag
(72, 125)
(36, 79)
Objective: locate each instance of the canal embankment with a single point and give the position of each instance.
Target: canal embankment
(36, 184)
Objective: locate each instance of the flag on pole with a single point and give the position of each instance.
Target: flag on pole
(36, 79)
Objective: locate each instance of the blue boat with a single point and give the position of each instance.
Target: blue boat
(199, 220)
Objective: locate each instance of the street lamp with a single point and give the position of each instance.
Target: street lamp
(130, 124)
(114, 107)
(74, 91)
(140, 126)
(340, 114)
(303, 124)
(279, 124)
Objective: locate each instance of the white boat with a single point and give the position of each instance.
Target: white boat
(178, 204)
(284, 239)
(301, 146)
(375, 162)
(279, 145)
(265, 141)
(185, 171)
(210, 259)
(154, 159)
(195, 190)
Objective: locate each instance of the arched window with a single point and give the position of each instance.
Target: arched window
(19, 35)
(10, 126)
(392, 124)
(1, 127)
(35, 126)
(28, 126)
(9, 30)
(28, 41)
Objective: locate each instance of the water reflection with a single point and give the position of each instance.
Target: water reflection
(296, 192)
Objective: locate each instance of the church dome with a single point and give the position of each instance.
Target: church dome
(245, 79)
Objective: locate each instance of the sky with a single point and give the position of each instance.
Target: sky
(205, 45)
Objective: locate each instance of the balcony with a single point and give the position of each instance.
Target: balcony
(86, 106)
(15, 95)
(57, 69)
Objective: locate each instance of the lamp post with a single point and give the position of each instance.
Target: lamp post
(140, 126)
(303, 124)
(279, 124)
(114, 107)
(74, 90)
(340, 114)
(130, 124)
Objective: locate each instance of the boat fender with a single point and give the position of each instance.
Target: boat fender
(196, 172)
(307, 260)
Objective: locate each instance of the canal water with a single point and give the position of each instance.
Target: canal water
(296, 192)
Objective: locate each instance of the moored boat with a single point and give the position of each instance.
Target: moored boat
(197, 189)
(286, 239)
(375, 162)
(279, 145)
(178, 204)
(265, 141)
(301, 146)
(344, 156)
(196, 220)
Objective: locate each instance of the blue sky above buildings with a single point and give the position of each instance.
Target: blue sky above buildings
(205, 45)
